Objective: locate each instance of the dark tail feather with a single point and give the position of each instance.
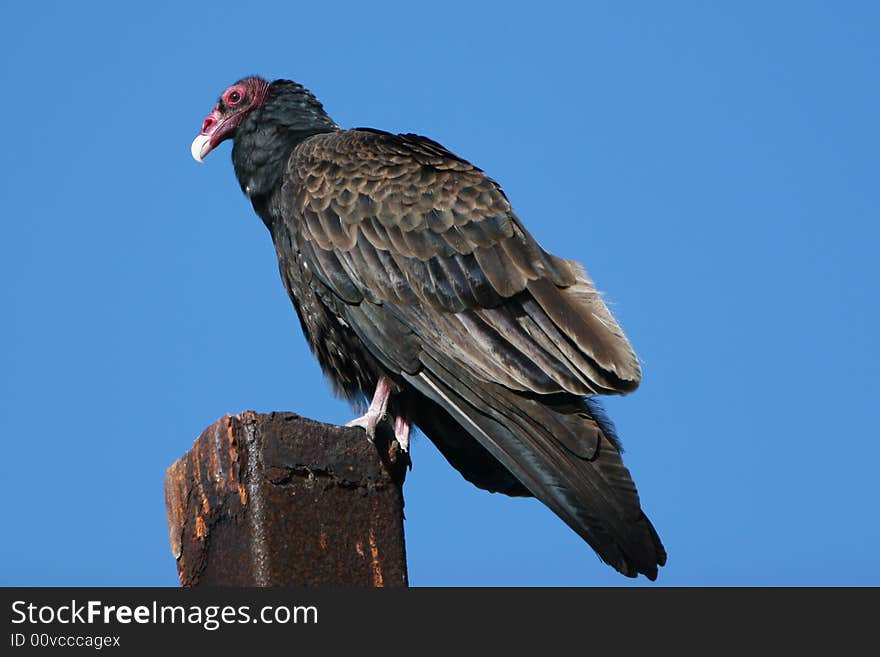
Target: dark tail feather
(561, 453)
(464, 453)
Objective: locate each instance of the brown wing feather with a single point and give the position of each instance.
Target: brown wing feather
(409, 223)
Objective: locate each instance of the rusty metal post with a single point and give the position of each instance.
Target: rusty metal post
(280, 500)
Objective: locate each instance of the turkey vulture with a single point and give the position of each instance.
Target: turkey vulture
(417, 286)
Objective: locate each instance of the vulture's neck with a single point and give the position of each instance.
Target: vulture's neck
(267, 137)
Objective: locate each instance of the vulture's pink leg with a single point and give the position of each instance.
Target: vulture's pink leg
(402, 428)
(376, 411)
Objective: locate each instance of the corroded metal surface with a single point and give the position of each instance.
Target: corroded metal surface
(280, 500)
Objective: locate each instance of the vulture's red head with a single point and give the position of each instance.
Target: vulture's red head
(234, 105)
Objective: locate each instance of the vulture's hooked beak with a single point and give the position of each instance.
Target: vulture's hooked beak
(212, 134)
(201, 146)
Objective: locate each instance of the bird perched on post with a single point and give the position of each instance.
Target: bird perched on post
(418, 287)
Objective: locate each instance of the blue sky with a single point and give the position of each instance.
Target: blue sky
(716, 167)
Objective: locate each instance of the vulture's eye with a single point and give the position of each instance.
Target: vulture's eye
(233, 98)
